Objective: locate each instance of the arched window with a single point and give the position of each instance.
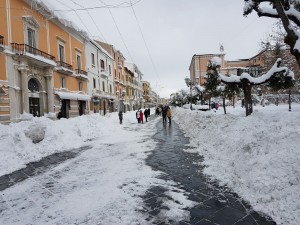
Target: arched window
(33, 85)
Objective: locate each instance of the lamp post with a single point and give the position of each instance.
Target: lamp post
(290, 108)
(118, 96)
(122, 100)
(190, 84)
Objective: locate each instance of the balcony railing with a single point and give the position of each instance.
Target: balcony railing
(65, 65)
(1, 40)
(79, 71)
(104, 72)
(22, 49)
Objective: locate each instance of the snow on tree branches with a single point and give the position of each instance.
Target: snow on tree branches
(288, 11)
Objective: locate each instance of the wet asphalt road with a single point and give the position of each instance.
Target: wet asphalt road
(215, 204)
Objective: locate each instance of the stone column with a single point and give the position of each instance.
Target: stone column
(23, 68)
(50, 94)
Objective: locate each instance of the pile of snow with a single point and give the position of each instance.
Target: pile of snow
(256, 156)
(35, 138)
(195, 107)
(104, 183)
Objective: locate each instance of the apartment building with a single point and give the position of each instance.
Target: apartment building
(254, 65)
(118, 74)
(100, 67)
(130, 89)
(198, 66)
(138, 100)
(146, 94)
(42, 63)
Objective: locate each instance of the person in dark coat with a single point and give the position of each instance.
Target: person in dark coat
(146, 114)
(213, 105)
(164, 114)
(121, 117)
(137, 114)
(59, 115)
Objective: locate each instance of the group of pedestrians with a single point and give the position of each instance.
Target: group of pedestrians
(166, 113)
(140, 115)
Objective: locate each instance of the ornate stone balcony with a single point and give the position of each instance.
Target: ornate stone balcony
(33, 55)
(81, 74)
(64, 68)
(104, 73)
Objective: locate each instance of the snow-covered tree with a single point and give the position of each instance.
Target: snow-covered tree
(288, 11)
(278, 77)
(213, 86)
(273, 47)
(212, 79)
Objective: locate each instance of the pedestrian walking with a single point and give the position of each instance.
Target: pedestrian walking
(169, 115)
(263, 102)
(137, 114)
(146, 114)
(59, 115)
(157, 112)
(121, 117)
(141, 116)
(164, 115)
(213, 105)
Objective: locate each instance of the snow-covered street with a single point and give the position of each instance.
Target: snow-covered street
(91, 188)
(114, 176)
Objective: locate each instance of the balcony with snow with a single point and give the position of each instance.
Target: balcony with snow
(64, 68)
(81, 74)
(116, 80)
(104, 73)
(2, 43)
(33, 55)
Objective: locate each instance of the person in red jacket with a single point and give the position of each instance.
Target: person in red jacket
(141, 117)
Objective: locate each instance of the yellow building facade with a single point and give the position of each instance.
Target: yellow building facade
(42, 63)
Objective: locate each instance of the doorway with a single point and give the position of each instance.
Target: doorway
(34, 107)
(81, 107)
(65, 106)
(104, 107)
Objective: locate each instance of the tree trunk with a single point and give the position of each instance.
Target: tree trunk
(291, 37)
(209, 104)
(247, 87)
(290, 109)
(224, 106)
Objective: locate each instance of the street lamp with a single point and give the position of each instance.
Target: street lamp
(290, 108)
(118, 96)
(122, 100)
(190, 84)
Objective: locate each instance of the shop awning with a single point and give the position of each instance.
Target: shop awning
(73, 96)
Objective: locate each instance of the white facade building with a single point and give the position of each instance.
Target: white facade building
(138, 85)
(100, 67)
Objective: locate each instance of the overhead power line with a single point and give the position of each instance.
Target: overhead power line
(92, 20)
(116, 25)
(120, 5)
(140, 29)
(77, 16)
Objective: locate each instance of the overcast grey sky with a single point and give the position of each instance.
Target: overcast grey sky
(174, 30)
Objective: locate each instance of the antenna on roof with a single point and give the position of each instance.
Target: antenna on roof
(221, 48)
